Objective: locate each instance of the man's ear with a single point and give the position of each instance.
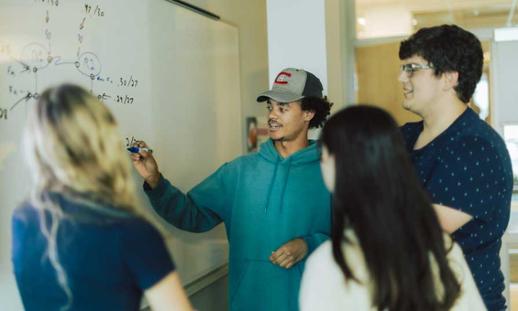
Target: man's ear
(308, 115)
(451, 79)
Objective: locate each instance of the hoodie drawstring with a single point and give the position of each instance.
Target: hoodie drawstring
(285, 184)
(272, 182)
(270, 188)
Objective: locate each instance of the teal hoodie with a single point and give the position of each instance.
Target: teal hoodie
(265, 201)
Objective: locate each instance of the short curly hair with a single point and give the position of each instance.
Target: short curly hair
(448, 48)
(320, 105)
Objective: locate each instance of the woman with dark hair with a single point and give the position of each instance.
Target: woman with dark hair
(388, 251)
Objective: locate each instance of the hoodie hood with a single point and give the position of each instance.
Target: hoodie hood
(309, 154)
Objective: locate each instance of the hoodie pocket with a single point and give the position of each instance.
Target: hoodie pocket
(265, 286)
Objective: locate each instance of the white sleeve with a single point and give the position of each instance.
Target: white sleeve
(322, 286)
(311, 285)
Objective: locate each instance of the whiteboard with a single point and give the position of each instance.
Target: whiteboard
(170, 76)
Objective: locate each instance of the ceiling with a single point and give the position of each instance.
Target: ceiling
(379, 18)
(434, 5)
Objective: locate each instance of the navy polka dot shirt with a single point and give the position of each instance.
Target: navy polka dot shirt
(467, 167)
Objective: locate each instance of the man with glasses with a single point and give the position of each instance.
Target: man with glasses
(462, 162)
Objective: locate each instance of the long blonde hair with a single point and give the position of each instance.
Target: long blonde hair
(74, 147)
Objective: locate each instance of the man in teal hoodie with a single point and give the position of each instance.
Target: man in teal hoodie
(274, 204)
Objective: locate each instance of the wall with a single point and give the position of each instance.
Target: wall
(504, 72)
(297, 37)
(340, 39)
(377, 72)
(250, 17)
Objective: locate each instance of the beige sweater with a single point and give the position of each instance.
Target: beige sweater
(324, 288)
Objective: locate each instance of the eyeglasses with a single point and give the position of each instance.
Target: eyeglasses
(410, 68)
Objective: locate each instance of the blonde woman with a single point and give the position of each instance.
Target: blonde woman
(82, 241)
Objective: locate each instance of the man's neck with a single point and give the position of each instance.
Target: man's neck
(286, 148)
(436, 121)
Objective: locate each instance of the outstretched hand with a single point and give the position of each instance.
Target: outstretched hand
(145, 164)
(290, 253)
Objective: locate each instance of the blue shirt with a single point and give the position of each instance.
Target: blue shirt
(467, 167)
(109, 258)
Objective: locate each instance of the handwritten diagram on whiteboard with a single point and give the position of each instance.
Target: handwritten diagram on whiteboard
(29, 64)
(170, 77)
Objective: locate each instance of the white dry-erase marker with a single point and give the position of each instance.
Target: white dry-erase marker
(138, 149)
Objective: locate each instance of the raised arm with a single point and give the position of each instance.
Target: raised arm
(200, 210)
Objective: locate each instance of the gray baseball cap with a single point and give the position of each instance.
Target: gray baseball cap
(291, 85)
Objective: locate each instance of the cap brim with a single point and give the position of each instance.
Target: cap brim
(279, 96)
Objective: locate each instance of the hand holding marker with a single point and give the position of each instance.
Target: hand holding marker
(144, 162)
(135, 149)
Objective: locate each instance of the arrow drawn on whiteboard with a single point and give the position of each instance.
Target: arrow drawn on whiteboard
(22, 63)
(26, 98)
(5, 150)
(82, 25)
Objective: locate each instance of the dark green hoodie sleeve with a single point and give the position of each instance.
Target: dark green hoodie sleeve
(200, 210)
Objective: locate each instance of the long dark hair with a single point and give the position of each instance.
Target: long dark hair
(379, 197)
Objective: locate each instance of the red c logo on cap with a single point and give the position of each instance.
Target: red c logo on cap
(282, 77)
